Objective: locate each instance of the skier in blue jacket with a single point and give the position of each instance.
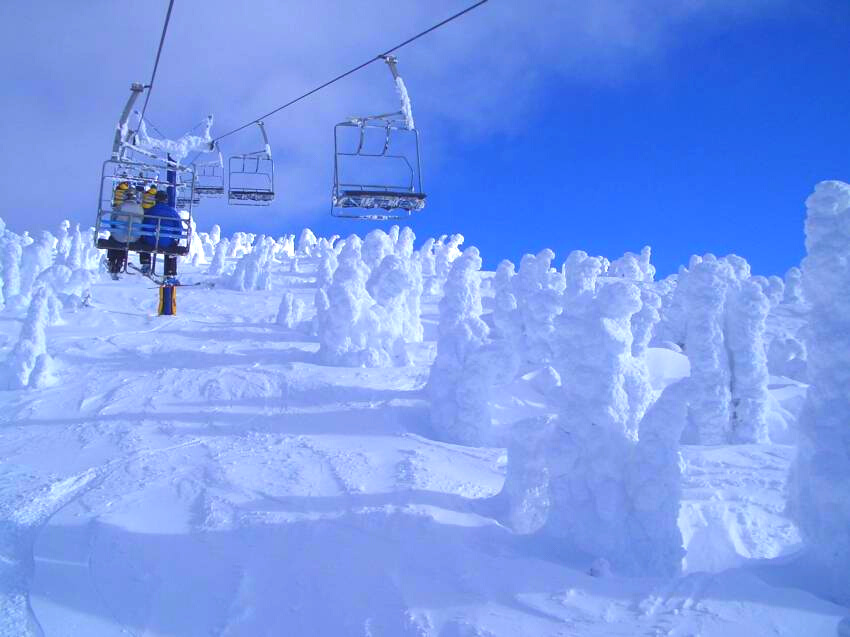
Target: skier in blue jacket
(162, 228)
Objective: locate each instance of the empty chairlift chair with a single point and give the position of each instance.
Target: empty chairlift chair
(377, 166)
(251, 176)
(187, 193)
(209, 178)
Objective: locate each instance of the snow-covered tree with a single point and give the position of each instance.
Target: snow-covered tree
(388, 285)
(459, 382)
(253, 270)
(601, 498)
(654, 485)
(793, 286)
(322, 304)
(538, 290)
(366, 315)
(671, 327)
(344, 327)
(215, 234)
(196, 255)
(394, 234)
(306, 242)
(446, 253)
(240, 244)
(290, 312)
(404, 244)
(506, 318)
(626, 267)
(821, 498)
(705, 297)
(11, 271)
(63, 241)
(30, 352)
(635, 267)
(413, 330)
(67, 288)
(286, 245)
(327, 266)
(725, 312)
(644, 321)
(426, 256)
(775, 291)
(787, 356)
(376, 246)
(35, 259)
(75, 257)
(747, 308)
(219, 258)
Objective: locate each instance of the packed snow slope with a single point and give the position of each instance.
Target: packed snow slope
(210, 474)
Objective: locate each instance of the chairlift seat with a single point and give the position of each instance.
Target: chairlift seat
(209, 191)
(140, 246)
(386, 200)
(245, 194)
(250, 176)
(182, 202)
(149, 233)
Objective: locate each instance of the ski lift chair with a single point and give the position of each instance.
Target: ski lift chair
(378, 181)
(131, 229)
(251, 176)
(209, 178)
(376, 184)
(187, 194)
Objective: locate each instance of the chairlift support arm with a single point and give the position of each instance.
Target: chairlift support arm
(265, 139)
(406, 108)
(392, 62)
(135, 90)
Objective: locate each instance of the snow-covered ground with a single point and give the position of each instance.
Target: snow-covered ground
(209, 474)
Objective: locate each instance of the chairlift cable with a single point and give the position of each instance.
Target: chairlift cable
(158, 54)
(153, 126)
(359, 67)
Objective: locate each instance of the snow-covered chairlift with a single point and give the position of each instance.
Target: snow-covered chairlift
(187, 194)
(122, 223)
(251, 176)
(378, 181)
(209, 183)
(209, 178)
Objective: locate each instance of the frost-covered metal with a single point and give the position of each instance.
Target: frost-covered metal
(377, 164)
(139, 165)
(251, 176)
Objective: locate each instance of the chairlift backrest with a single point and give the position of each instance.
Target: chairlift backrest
(209, 178)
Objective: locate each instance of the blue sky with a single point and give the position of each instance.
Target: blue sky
(603, 126)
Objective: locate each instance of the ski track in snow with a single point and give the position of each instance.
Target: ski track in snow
(203, 475)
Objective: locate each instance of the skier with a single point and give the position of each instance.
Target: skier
(148, 202)
(162, 229)
(126, 219)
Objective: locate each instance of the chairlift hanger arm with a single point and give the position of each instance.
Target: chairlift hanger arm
(135, 90)
(392, 62)
(268, 148)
